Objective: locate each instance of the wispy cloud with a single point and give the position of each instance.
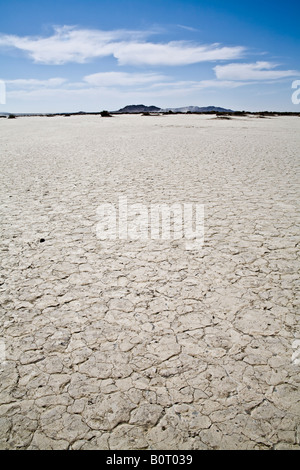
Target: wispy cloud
(173, 53)
(192, 85)
(113, 85)
(187, 28)
(254, 71)
(35, 83)
(123, 79)
(71, 44)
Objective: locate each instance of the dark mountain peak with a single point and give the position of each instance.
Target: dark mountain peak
(138, 108)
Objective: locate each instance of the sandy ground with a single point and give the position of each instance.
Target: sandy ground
(143, 344)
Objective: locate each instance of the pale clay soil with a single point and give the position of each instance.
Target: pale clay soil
(131, 344)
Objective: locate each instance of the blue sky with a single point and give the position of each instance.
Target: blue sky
(89, 55)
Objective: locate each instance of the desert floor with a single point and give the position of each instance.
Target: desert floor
(136, 344)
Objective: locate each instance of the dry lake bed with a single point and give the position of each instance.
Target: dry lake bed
(124, 343)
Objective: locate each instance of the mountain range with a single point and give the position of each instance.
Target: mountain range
(197, 109)
(141, 108)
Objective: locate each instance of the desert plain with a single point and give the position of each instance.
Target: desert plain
(143, 344)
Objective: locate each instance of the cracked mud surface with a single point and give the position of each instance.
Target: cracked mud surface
(144, 345)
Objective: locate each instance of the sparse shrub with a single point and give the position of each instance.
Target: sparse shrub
(105, 113)
(239, 113)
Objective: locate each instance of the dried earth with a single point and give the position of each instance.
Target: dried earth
(130, 344)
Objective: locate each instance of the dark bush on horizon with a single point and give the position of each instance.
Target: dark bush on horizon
(223, 117)
(11, 116)
(105, 113)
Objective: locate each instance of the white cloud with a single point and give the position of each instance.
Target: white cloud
(188, 28)
(201, 84)
(70, 44)
(173, 53)
(221, 84)
(101, 87)
(254, 71)
(122, 79)
(112, 84)
(34, 83)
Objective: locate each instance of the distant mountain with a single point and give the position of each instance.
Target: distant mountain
(138, 108)
(196, 109)
(141, 108)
